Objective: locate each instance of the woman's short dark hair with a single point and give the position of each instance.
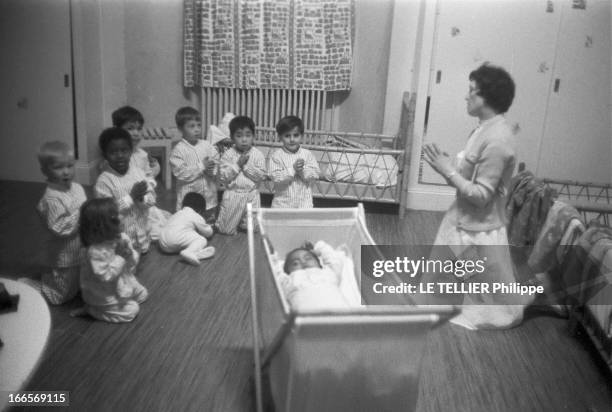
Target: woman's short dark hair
(99, 221)
(495, 86)
(113, 133)
(195, 201)
(240, 122)
(289, 122)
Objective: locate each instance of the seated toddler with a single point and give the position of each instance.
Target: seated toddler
(313, 278)
(109, 286)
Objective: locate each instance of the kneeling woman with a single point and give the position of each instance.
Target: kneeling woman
(481, 174)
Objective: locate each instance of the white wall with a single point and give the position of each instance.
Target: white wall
(403, 56)
(154, 60)
(113, 51)
(35, 102)
(126, 52)
(87, 62)
(99, 74)
(362, 109)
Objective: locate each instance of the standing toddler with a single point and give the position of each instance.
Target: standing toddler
(241, 170)
(131, 120)
(126, 184)
(292, 168)
(194, 161)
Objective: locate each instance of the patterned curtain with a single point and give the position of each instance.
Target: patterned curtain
(268, 44)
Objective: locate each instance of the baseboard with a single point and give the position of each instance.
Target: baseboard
(86, 173)
(430, 197)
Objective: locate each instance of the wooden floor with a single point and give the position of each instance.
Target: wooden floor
(190, 347)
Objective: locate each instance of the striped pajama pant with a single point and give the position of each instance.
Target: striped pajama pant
(61, 284)
(233, 210)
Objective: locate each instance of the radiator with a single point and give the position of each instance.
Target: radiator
(266, 107)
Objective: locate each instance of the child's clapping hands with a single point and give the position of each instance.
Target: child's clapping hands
(209, 166)
(299, 166)
(123, 248)
(242, 160)
(139, 190)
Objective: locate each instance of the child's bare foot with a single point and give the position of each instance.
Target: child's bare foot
(190, 257)
(206, 253)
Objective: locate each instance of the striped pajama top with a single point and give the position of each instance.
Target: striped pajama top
(60, 210)
(249, 177)
(187, 163)
(134, 215)
(140, 159)
(292, 191)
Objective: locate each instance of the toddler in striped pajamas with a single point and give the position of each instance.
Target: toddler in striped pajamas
(194, 162)
(241, 170)
(109, 286)
(130, 119)
(59, 208)
(291, 167)
(128, 185)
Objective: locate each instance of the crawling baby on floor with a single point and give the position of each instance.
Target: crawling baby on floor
(314, 278)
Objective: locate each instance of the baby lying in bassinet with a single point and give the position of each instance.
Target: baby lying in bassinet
(319, 277)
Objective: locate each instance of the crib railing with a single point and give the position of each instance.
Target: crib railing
(323, 137)
(593, 200)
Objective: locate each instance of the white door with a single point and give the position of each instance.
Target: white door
(36, 98)
(517, 35)
(577, 139)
